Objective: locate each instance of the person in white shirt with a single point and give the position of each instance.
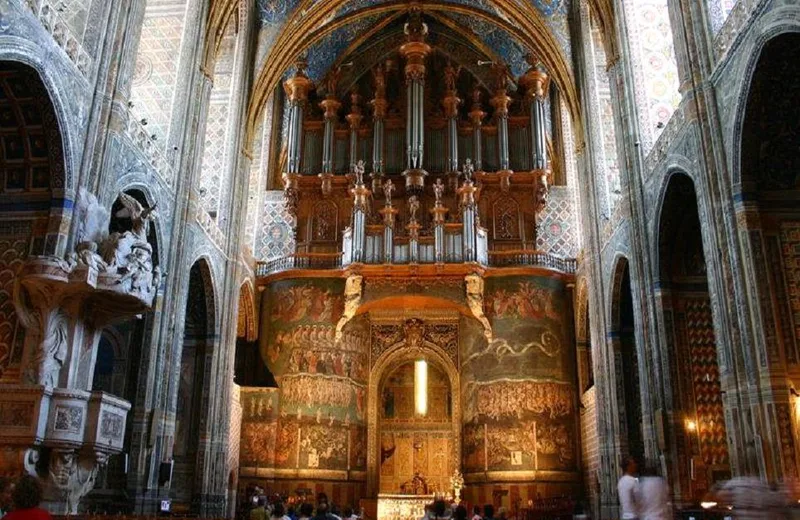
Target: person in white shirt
(652, 496)
(626, 487)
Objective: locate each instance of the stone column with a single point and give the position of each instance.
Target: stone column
(414, 51)
(438, 211)
(469, 213)
(331, 107)
(297, 88)
(536, 83)
(476, 115)
(389, 213)
(379, 107)
(500, 102)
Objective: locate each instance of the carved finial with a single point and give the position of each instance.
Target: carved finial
(379, 75)
(388, 189)
(413, 207)
(469, 170)
(415, 28)
(438, 189)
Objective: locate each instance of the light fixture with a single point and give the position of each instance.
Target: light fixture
(708, 505)
(691, 426)
(421, 387)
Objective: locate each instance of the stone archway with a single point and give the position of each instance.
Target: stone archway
(191, 411)
(628, 390)
(386, 363)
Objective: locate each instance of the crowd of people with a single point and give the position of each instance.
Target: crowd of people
(20, 499)
(277, 509)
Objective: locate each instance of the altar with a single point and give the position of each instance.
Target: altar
(402, 507)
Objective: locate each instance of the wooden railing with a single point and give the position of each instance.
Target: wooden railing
(532, 258)
(300, 261)
(513, 258)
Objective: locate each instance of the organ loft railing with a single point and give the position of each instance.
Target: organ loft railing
(422, 202)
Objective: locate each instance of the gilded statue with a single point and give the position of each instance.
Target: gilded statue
(469, 170)
(438, 189)
(388, 189)
(413, 207)
(358, 171)
(451, 76)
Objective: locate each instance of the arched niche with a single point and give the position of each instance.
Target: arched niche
(32, 192)
(387, 363)
(629, 400)
(699, 417)
(194, 380)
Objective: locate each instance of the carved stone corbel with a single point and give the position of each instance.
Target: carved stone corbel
(474, 286)
(70, 476)
(352, 300)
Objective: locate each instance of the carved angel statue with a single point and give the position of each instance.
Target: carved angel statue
(469, 170)
(388, 189)
(332, 82)
(92, 218)
(358, 170)
(413, 207)
(534, 61)
(379, 74)
(438, 189)
(451, 76)
(139, 215)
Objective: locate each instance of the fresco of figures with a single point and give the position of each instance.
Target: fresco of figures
(259, 426)
(518, 389)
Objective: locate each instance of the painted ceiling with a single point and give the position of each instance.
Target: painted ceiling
(326, 52)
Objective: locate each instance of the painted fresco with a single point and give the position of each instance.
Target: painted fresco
(323, 447)
(259, 426)
(518, 390)
(286, 444)
(322, 397)
(358, 448)
(473, 454)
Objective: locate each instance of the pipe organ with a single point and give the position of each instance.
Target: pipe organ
(441, 169)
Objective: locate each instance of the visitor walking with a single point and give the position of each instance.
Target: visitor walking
(652, 496)
(627, 489)
(26, 497)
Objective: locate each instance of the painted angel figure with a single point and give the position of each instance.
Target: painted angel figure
(469, 170)
(388, 189)
(438, 189)
(139, 215)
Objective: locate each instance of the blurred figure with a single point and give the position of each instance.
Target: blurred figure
(6, 489)
(348, 514)
(652, 496)
(260, 511)
(279, 511)
(476, 513)
(488, 512)
(501, 513)
(306, 511)
(26, 497)
(439, 510)
(460, 513)
(627, 489)
(751, 499)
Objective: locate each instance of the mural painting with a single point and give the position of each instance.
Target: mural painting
(323, 447)
(259, 426)
(518, 389)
